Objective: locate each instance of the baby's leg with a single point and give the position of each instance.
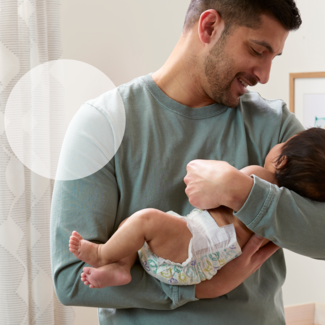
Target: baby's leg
(91, 253)
(163, 232)
(169, 237)
(115, 274)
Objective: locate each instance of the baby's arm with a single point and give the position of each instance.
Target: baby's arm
(259, 172)
(224, 215)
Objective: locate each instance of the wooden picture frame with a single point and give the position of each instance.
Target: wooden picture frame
(302, 85)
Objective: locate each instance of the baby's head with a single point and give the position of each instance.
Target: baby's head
(299, 163)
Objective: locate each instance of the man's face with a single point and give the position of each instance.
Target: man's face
(243, 58)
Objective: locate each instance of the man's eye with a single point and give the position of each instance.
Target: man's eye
(256, 53)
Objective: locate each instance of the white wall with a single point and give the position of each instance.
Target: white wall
(124, 39)
(127, 39)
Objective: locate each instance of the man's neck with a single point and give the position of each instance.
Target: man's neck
(180, 78)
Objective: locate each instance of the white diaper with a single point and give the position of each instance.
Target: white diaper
(210, 248)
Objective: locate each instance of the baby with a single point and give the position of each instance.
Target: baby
(187, 250)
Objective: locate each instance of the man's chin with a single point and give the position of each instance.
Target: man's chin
(227, 99)
(231, 102)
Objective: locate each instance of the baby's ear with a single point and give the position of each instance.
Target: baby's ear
(279, 164)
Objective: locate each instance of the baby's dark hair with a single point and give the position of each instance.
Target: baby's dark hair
(304, 171)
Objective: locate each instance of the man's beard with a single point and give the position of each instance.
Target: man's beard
(220, 74)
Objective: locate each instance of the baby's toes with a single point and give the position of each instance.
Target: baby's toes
(73, 249)
(86, 270)
(73, 246)
(76, 235)
(74, 240)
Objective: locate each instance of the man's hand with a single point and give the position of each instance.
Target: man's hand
(210, 184)
(235, 272)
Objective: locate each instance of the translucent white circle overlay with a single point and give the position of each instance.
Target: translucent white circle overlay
(65, 119)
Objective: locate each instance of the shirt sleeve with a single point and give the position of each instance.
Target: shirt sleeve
(284, 217)
(89, 206)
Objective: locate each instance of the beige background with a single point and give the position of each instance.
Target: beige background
(126, 39)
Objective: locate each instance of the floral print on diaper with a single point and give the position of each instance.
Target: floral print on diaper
(198, 269)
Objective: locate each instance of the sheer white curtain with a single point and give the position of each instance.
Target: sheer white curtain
(29, 36)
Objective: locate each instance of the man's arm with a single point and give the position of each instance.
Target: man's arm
(89, 205)
(252, 258)
(238, 270)
(286, 218)
(86, 205)
(278, 214)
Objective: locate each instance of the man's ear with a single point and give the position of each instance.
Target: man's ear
(210, 26)
(283, 160)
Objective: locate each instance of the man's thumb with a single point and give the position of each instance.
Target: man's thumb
(253, 245)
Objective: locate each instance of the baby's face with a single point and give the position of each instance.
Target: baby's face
(270, 159)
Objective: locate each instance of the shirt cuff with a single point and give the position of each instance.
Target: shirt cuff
(257, 203)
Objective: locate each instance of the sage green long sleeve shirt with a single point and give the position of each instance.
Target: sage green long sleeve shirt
(161, 138)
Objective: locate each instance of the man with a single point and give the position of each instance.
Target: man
(194, 107)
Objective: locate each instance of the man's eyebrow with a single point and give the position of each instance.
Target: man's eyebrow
(266, 45)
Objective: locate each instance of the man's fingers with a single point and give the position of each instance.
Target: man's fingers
(186, 179)
(265, 252)
(190, 164)
(253, 256)
(262, 255)
(253, 245)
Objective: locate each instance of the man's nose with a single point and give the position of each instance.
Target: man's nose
(262, 72)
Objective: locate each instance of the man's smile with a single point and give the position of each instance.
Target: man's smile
(242, 86)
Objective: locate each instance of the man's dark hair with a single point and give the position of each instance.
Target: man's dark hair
(304, 171)
(246, 12)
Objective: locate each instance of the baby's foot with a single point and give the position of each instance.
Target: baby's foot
(110, 275)
(84, 250)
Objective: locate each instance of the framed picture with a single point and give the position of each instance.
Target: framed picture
(307, 98)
